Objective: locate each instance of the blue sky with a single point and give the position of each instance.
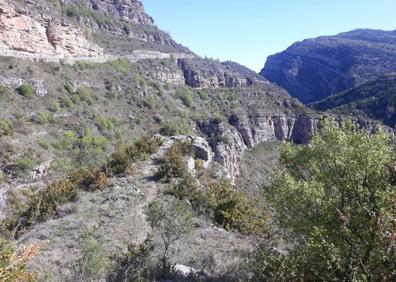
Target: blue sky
(247, 31)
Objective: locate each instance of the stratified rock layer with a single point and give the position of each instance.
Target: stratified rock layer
(24, 33)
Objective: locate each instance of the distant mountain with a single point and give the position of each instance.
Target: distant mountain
(314, 69)
(375, 99)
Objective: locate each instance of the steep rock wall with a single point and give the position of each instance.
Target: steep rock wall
(22, 33)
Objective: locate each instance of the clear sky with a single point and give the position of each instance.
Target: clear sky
(247, 31)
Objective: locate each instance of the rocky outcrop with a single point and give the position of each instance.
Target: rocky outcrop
(129, 10)
(22, 33)
(206, 73)
(314, 69)
(245, 132)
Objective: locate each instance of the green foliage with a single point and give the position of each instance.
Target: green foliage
(89, 265)
(26, 90)
(43, 118)
(82, 65)
(203, 95)
(121, 65)
(78, 10)
(233, 210)
(43, 144)
(84, 94)
(23, 165)
(335, 201)
(6, 128)
(85, 150)
(172, 164)
(55, 107)
(178, 127)
(171, 219)
(134, 265)
(2, 89)
(13, 264)
(2, 176)
(39, 206)
(66, 102)
(69, 87)
(125, 156)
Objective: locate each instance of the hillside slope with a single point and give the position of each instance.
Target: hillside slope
(375, 99)
(314, 69)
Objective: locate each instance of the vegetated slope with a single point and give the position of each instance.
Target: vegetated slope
(314, 69)
(375, 99)
(60, 114)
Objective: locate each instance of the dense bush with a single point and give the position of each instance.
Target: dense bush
(179, 127)
(6, 128)
(122, 65)
(26, 90)
(39, 206)
(125, 156)
(233, 210)
(135, 264)
(173, 164)
(335, 202)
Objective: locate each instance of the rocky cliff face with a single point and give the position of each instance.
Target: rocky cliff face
(129, 10)
(317, 68)
(201, 73)
(245, 132)
(21, 32)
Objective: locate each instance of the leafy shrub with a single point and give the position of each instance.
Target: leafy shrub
(203, 95)
(43, 144)
(135, 264)
(233, 210)
(83, 65)
(172, 164)
(55, 107)
(23, 165)
(124, 156)
(90, 264)
(66, 102)
(26, 90)
(171, 219)
(179, 127)
(85, 94)
(69, 87)
(187, 100)
(89, 179)
(43, 118)
(13, 263)
(121, 65)
(39, 207)
(6, 128)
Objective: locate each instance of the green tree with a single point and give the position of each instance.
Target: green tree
(171, 220)
(335, 201)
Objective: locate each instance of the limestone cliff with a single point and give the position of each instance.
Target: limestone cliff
(22, 33)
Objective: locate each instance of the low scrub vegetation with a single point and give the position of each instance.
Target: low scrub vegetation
(41, 205)
(13, 262)
(25, 90)
(6, 128)
(232, 209)
(125, 156)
